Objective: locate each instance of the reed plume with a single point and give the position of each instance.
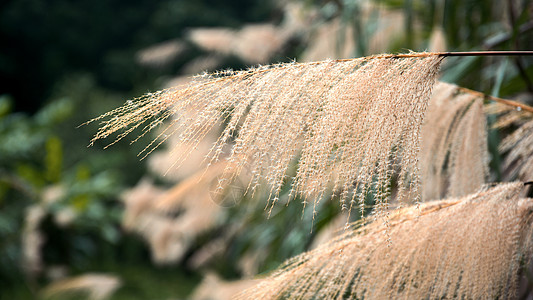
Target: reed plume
(361, 117)
(462, 248)
(516, 146)
(454, 153)
(519, 159)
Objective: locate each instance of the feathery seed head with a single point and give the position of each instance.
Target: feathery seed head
(454, 149)
(463, 248)
(518, 162)
(350, 124)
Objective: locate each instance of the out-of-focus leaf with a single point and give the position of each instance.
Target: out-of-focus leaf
(3, 191)
(30, 174)
(19, 138)
(110, 233)
(55, 112)
(499, 78)
(515, 82)
(455, 69)
(80, 203)
(54, 159)
(6, 225)
(83, 173)
(6, 105)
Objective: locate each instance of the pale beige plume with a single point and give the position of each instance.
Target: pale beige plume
(362, 116)
(463, 248)
(516, 146)
(454, 152)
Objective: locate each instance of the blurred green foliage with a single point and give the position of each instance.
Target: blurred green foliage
(34, 172)
(62, 64)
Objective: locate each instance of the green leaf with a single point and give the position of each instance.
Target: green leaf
(6, 105)
(55, 112)
(54, 159)
(30, 174)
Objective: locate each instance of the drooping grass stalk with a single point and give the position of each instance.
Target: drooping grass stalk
(350, 125)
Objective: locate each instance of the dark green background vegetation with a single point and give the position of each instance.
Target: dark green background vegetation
(61, 64)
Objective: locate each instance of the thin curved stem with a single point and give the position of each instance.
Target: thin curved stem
(499, 100)
(446, 54)
(485, 53)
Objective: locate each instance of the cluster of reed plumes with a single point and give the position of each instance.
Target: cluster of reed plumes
(462, 248)
(350, 124)
(354, 127)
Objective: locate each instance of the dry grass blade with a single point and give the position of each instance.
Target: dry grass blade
(361, 116)
(454, 151)
(467, 248)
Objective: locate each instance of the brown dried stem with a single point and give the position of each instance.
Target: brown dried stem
(499, 100)
(446, 54)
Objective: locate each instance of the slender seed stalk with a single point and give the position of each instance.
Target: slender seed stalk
(486, 53)
(499, 100)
